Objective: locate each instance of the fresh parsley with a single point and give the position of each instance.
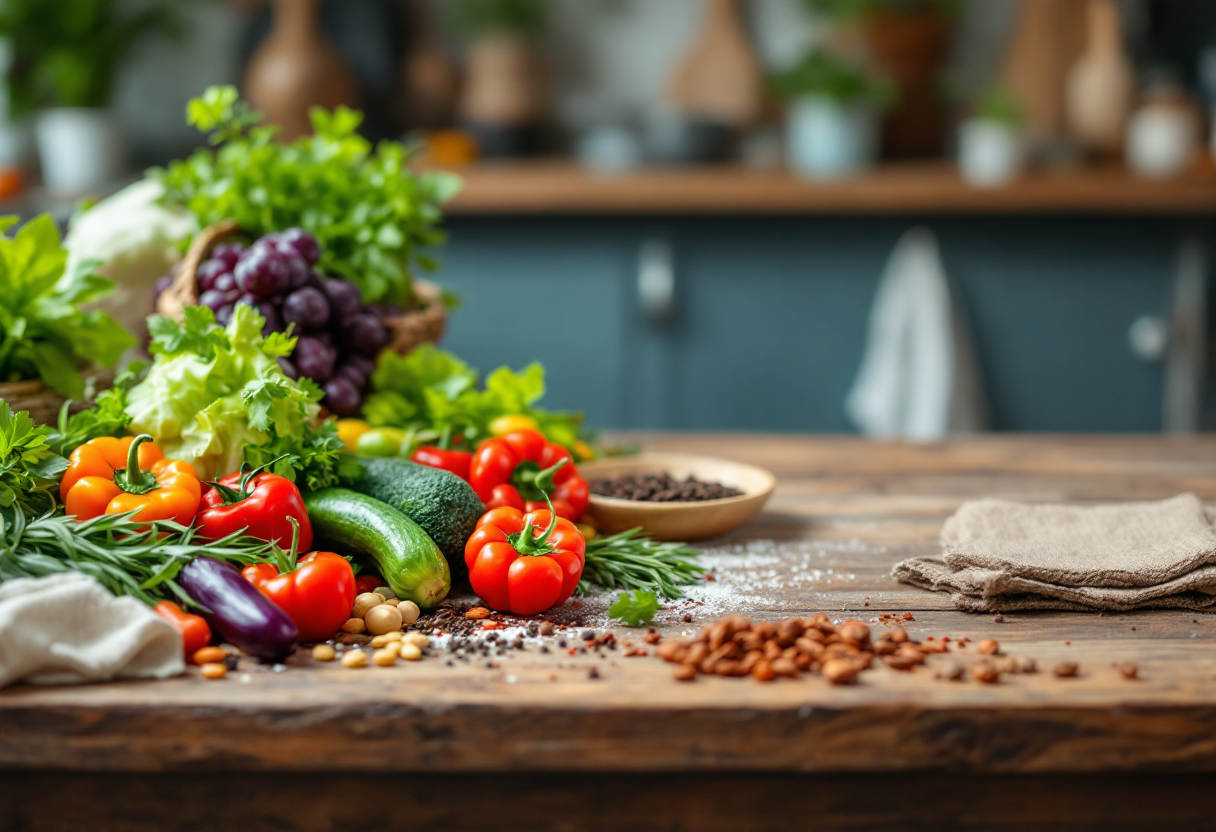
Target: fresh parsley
(636, 609)
(29, 470)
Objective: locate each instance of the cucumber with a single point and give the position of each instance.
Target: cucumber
(444, 505)
(406, 557)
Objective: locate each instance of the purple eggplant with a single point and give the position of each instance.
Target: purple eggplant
(238, 612)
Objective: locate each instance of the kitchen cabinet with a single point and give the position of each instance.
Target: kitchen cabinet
(767, 316)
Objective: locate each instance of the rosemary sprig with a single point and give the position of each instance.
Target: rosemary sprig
(631, 560)
(127, 558)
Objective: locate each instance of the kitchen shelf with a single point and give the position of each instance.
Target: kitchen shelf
(553, 187)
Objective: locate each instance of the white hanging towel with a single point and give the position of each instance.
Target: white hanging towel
(918, 379)
(68, 628)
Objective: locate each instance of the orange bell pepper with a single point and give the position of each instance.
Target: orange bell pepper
(112, 476)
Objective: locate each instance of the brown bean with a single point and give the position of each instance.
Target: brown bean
(855, 630)
(784, 667)
(840, 671)
(697, 653)
(809, 646)
(772, 650)
(672, 651)
(684, 673)
(1128, 670)
(988, 647)
(901, 661)
(477, 612)
(208, 655)
(898, 635)
(1065, 670)
(762, 671)
(214, 670)
(985, 672)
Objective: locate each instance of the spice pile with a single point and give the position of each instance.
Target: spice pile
(662, 488)
(766, 650)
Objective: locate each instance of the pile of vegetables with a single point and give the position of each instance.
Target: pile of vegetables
(202, 480)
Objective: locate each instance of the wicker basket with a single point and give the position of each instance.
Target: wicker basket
(43, 403)
(408, 330)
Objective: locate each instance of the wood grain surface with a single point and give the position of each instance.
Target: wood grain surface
(858, 507)
(914, 187)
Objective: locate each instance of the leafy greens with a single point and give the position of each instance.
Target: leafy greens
(43, 332)
(430, 393)
(217, 397)
(636, 609)
(370, 213)
(29, 469)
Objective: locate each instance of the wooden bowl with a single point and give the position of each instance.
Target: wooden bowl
(679, 521)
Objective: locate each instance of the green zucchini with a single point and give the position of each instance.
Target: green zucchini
(442, 503)
(408, 560)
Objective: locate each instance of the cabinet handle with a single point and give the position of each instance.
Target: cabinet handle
(656, 279)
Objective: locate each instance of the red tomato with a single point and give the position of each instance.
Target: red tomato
(524, 564)
(513, 470)
(318, 594)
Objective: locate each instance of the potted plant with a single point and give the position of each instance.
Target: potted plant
(908, 41)
(832, 119)
(990, 142)
(503, 101)
(64, 63)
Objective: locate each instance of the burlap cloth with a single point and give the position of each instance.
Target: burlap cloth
(999, 555)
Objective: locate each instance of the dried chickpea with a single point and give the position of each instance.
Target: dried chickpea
(382, 619)
(208, 655)
(354, 658)
(392, 602)
(409, 612)
(323, 653)
(410, 652)
(354, 626)
(364, 602)
(214, 670)
(386, 639)
(385, 658)
(417, 639)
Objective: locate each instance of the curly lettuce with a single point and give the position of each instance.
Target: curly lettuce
(217, 398)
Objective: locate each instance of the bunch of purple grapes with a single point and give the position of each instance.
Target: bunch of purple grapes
(339, 336)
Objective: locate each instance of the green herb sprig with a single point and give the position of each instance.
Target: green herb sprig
(29, 470)
(636, 609)
(128, 558)
(630, 560)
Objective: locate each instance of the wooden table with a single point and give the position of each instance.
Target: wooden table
(527, 745)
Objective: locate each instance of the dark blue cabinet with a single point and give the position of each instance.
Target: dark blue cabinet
(768, 314)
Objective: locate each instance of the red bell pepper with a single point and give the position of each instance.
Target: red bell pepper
(521, 469)
(193, 629)
(444, 459)
(516, 567)
(317, 590)
(261, 503)
(368, 583)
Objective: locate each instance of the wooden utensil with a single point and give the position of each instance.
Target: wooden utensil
(719, 78)
(679, 521)
(1047, 41)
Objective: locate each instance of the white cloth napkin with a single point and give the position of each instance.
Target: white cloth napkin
(68, 629)
(918, 379)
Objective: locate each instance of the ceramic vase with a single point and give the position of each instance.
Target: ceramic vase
(295, 68)
(1101, 84)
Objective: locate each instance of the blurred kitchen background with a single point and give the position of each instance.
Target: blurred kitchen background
(905, 217)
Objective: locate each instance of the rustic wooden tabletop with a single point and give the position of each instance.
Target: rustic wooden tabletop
(530, 740)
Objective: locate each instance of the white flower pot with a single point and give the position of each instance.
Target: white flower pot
(829, 140)
(81, 148)
(1161, 141)
(990, 153)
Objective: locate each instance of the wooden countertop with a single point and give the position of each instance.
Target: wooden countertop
(551, 187)
(845, 510)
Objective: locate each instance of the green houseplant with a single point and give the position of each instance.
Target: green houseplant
(832, 117)
(990, 142)
(908, 41)
(66, 55)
